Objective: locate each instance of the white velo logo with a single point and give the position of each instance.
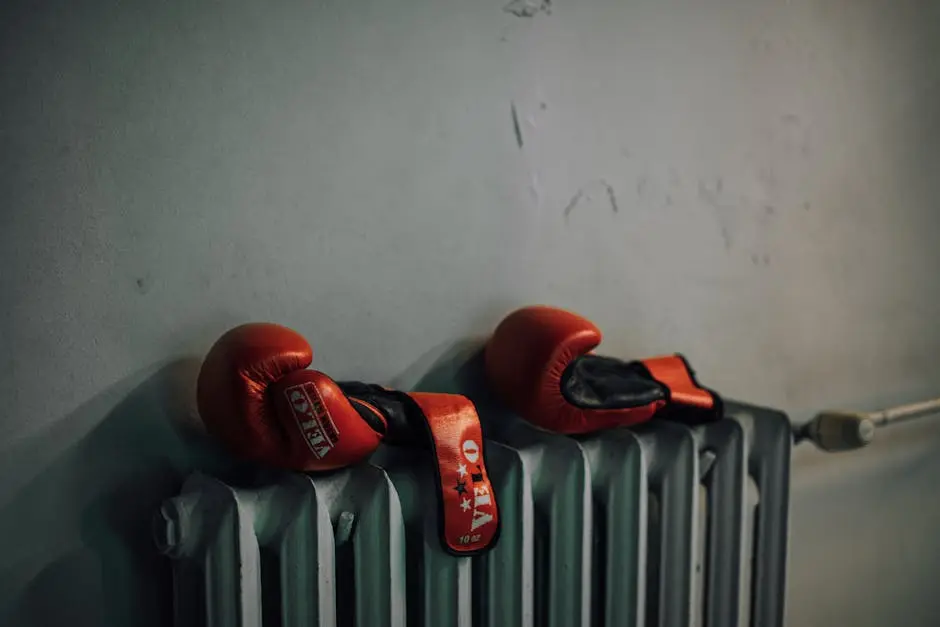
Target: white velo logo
(482, 502)
(315, 423)
(481, 497)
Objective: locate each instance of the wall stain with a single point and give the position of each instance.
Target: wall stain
(143, 284)
(573, 203)
(516, 129)
(721, 211)
(611, 196)
(583, 194)
(528, 8)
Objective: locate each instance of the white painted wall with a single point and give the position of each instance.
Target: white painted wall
(169, 169)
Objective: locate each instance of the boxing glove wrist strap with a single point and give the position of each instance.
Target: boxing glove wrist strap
(449, 426)
(469, 521)
(685, 393)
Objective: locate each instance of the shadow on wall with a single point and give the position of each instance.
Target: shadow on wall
(76, 504)
(458, 368)
(452, 367)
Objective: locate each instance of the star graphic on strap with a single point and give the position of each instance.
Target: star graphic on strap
(461, 487)
(461, 470)
(465, 504)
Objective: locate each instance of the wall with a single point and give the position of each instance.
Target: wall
(752, 183)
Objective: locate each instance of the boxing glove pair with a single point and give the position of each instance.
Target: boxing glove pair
(256, 394)
(540, 362)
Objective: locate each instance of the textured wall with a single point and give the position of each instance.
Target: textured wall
(752, 183)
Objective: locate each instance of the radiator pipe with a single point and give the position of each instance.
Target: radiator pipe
(835, 430)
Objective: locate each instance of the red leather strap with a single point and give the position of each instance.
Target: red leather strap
(470, 517)
(673, 372)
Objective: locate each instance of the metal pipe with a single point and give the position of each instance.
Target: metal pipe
(834, 430)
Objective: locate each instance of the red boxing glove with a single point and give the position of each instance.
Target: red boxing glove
(539, 361)
(257, 396)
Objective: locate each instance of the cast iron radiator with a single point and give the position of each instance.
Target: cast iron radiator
(660, 525)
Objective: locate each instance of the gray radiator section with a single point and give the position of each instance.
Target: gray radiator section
(662, 525)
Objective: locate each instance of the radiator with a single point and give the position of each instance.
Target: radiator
(661, 525)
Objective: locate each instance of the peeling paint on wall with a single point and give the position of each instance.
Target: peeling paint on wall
(584, 193)
(528, 8)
